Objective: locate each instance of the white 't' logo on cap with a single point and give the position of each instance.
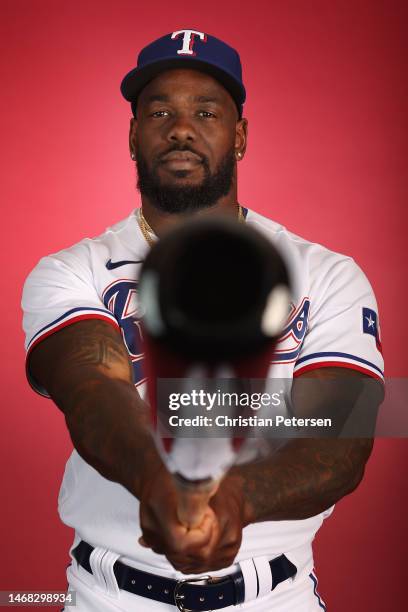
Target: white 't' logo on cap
(188, 40)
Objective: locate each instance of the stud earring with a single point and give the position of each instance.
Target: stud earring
(132, 155)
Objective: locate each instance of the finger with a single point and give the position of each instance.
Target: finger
(169, 545)
(154, 547)
(195, 540)
(192, 508)
(187, 567)
(143, 543)
(211, 564)
(150, 539)
(196, 559)
(193, 502)
(230, 538)
(177, 540)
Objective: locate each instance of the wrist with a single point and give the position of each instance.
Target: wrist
(237, 482)
(152, 467)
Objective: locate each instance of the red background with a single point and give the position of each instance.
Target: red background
(327, 157)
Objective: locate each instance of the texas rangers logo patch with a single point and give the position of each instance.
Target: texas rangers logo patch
(120, 297)
(290, 341)
(371, 326)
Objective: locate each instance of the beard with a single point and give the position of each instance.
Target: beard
(185, 198)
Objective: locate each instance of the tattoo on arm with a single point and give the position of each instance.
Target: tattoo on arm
(101, 347)
(97, 350)
(307, 476)
(73, 355)
(87, 371)
(304, 478)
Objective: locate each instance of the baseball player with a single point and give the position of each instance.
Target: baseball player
(253, 549)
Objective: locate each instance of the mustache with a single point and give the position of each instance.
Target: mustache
(203, 158)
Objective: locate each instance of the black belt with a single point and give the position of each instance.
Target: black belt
(186, 594)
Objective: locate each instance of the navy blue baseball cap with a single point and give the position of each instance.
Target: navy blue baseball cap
(187, 49)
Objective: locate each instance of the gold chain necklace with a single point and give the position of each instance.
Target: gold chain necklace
(149, 234)
(145, 228)
(241, 217)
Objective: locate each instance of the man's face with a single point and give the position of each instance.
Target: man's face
(185, 139)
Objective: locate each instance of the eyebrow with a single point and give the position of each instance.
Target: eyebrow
(206, 99)
(158, 98)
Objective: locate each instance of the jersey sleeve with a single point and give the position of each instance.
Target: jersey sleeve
(343, 327)
(58, 292)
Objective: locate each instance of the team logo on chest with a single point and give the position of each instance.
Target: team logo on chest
(120, 297)
(291, 339)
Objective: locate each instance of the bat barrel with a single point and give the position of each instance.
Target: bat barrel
(204, 288)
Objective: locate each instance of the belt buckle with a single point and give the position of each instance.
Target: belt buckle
(178, 599)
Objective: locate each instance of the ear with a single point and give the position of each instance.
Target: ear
(241, 136)
(132, 137)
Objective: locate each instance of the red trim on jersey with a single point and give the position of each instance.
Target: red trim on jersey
(337, 364)
(69, 322)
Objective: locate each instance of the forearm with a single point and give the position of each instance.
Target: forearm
(109, 427)
(302, 479)
(87, 372)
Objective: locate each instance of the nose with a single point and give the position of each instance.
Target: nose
(181, 130)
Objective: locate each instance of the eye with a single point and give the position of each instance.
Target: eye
(159, 114)
(206, 114)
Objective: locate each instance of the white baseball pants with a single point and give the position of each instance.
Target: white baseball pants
(93, 595)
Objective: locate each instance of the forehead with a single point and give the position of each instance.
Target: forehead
(185, 84)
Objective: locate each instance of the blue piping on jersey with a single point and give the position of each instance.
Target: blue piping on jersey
(315, 582)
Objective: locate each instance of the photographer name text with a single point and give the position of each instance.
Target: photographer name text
(223, 420)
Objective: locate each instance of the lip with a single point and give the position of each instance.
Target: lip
(181, 158)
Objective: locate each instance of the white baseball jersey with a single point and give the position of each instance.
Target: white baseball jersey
(333, 321)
